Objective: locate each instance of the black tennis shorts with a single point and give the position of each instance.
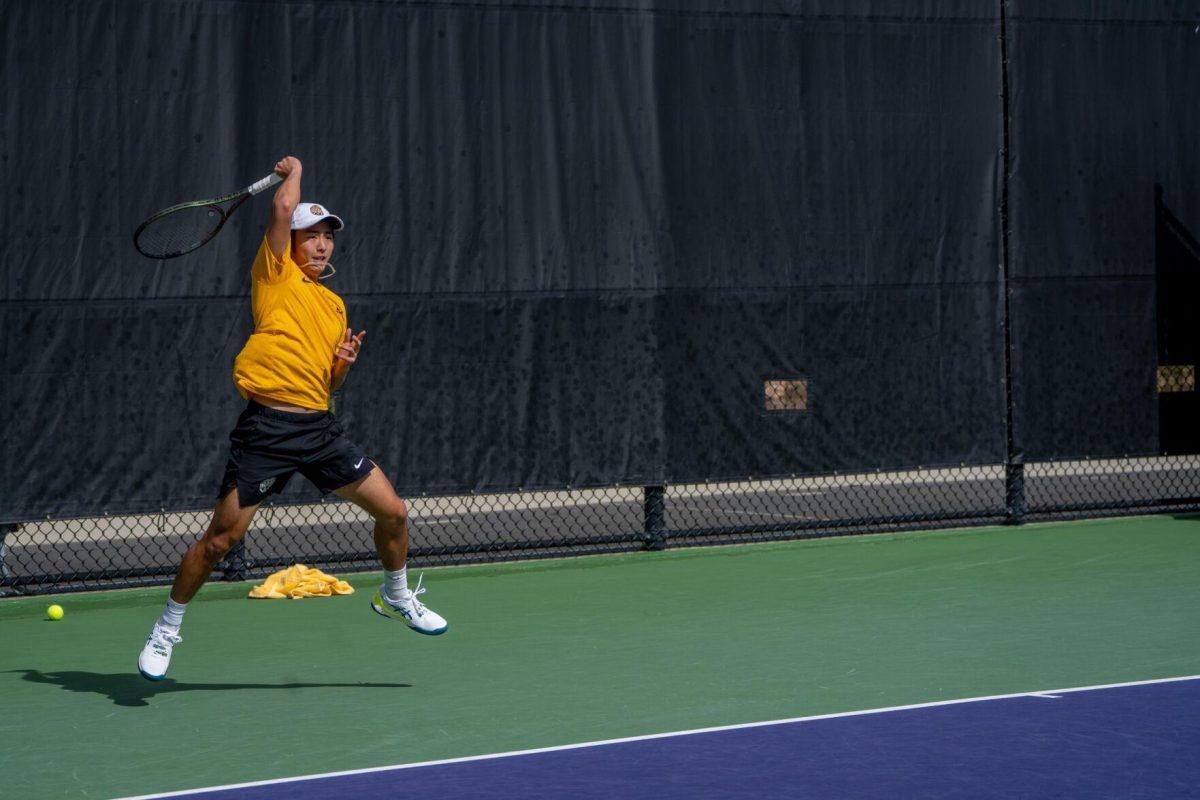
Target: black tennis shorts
(268, 446)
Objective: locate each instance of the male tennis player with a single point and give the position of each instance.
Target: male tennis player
(299, 353)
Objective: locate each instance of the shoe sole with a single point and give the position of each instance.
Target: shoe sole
(150, 677)
(386, 615)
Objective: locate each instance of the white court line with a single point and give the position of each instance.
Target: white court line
(651, 736)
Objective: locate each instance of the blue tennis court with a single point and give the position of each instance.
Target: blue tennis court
(1133, 740)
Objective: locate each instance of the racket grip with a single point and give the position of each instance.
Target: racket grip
(265, 183)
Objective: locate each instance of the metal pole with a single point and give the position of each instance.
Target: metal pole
(654, 516)
(233, 566)
(1014, 490)
(1014, 462)
(5, 575)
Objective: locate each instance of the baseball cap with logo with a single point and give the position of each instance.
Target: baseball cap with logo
(308, 214)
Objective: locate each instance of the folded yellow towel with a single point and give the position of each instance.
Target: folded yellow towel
(299, 581)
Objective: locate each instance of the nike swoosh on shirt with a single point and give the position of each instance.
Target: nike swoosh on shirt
(359, 464)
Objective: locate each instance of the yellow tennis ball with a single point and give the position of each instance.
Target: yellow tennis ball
(54, 612)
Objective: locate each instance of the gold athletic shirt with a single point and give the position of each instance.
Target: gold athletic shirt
(298, 324)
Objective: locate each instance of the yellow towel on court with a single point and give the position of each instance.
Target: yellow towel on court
(299, 581)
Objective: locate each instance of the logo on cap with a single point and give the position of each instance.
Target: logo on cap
(317, 210)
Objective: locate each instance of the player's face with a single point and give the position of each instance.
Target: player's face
(313, 247)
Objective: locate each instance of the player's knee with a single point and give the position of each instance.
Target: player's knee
(218, 543)
(214, 548)
(396, 513)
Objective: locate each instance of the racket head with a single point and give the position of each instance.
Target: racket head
(179, 230)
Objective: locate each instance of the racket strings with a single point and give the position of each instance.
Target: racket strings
(179, 231)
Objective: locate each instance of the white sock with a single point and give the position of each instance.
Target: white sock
(395, 584)
(172, 615)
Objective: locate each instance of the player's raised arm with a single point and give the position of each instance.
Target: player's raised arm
(287, 197)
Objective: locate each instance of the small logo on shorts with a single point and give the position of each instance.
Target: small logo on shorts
(317, 210)
(359, 464)
(267, 484)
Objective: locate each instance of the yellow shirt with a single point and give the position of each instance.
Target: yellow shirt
(298, 324)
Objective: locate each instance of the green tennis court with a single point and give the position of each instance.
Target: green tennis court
(556, 652)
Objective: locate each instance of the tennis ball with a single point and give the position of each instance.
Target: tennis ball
(54, 612)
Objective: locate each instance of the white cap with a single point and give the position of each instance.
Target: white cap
(308, 214)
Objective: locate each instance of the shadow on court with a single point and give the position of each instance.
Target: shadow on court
(131, 689)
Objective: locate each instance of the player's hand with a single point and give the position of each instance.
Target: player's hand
(287, 165)
(348, 349)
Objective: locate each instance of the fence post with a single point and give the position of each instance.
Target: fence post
(654, 525)
(1014, 489)
(233, 566)
(1014, 463)
(5, 530)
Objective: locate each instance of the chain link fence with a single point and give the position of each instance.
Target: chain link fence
(60, 555)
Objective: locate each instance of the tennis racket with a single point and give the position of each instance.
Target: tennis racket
(183, 228)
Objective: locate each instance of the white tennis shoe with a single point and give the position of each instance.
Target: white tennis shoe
(156, 655)
(411, 611)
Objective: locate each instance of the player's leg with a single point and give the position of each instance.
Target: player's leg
(257, 467)
(375, 495)
(228, 525)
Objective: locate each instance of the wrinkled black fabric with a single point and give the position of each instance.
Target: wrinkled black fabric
(1103, 109)
(581, 235)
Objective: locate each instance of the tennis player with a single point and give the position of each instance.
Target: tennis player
(300, 352)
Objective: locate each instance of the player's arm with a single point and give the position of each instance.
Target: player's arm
(345, 355)
(287, 197)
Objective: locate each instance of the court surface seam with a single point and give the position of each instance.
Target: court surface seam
(1042, 693)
